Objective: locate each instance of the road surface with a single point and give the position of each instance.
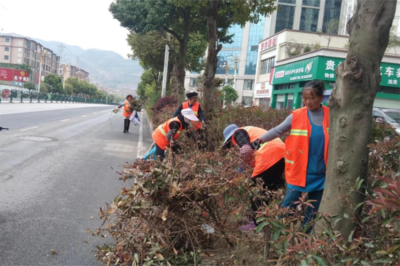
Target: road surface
(57, 168)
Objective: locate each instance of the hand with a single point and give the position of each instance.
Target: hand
(256, 144)
(120, 106)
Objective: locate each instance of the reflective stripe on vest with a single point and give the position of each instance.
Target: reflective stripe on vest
(297, 146)
(195, 107)
(160, 134)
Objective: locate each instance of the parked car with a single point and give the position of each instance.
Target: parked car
(389, 116)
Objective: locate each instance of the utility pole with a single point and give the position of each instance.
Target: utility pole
(61, 57)
(165, 72)
(40, 68)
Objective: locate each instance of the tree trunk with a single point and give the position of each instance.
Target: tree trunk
(174, 81)
(351, 104)
(212, 60)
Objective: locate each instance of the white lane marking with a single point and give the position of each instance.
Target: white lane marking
(140, 144)
(26, 129)
(65, 120)
(84, 116)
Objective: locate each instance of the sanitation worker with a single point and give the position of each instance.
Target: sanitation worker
(267, 160)
(306, 149)
(192, 104)
(171, 130)
(127, 112)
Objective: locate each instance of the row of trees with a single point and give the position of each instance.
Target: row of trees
(188, 28)
(53, 84)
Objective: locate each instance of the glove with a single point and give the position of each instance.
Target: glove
(203, 123)
(255, 145)
(170, 134)
(240, 170)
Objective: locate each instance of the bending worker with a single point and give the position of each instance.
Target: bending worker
(307, 149)
(267, 160)
(192, 104)
(172, 130)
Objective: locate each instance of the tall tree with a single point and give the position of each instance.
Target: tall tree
(55, 83)
(154, 58)
(220, 15)
(351, 103)
(177, 17)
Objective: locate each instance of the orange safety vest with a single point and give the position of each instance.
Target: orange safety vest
(127, 112)
(160, 134)
(254, 133)
(267, 155)
(297, 145)
(195, 109)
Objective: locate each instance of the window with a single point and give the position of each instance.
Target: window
(7, 48)
(284, 18)
(255, 36)
(289, 103)
(285, 86)
(391, 90)
(194, 82)
(311, 3)
(6, 57)
(267, 65)
(246, 101)
(309, 19)
(332, 11)
(248, 84)
(7, 39)
(288, 1)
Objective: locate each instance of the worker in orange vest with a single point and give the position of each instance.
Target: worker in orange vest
(267, 160)
(172, 130)
(127, 112)
(192, 103)
(306, 149)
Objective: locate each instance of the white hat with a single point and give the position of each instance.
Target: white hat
(188, 113)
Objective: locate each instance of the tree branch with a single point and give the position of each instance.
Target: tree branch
(173, 33)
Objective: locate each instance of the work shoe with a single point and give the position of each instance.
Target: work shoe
(248, 227)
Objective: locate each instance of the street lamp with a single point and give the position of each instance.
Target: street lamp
(226, 66)
(236, 60)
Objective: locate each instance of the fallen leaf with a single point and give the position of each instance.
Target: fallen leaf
(53, 251)
(160, 256)
(85, 241)
(91, 217)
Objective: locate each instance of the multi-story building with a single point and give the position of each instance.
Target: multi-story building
(19, 50)
(349, 8)
(291, 58)
(307, 15)
(68, 71)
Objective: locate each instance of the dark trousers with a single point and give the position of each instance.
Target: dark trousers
(160, 153)
(273, 180)
(127, 122)
(294, 195)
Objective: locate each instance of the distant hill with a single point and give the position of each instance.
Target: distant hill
(106, 68)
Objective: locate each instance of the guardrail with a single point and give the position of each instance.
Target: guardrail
(52, 98)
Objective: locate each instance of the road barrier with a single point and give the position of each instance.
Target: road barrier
(53, 97)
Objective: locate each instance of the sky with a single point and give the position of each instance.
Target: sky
(85, 23)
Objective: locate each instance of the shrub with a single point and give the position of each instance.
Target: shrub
(307, 49)
(186, 211)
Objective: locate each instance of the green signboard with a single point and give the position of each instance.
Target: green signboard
(323, 68)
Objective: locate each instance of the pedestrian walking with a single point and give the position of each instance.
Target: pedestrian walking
(127, 112)
(267, 162)
(306, 149)
(165, 134)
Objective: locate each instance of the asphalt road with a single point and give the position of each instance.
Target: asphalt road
(57, 168)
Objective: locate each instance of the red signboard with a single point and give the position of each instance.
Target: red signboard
(6, 74)
(271, 42)
(14, 74)
(5, 94)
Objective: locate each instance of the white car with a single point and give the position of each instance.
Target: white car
(390, 116)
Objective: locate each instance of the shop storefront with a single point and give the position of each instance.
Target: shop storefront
(289, 80)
